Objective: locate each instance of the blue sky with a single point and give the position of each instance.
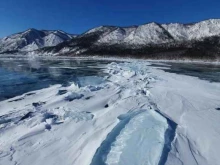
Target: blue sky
(77, 16)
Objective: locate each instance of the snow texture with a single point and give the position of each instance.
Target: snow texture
(119, 119)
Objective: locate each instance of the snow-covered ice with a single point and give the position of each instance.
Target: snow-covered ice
(125, 117)
(139, 138)
(191, 103)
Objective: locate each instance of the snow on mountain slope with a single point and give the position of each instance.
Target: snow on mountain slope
(198, 30)
(154, 33)
(178, 31)
(103, 30)
(116, 40)
(33, 39)
(115, 36)
(52, 40)
(151, 33)
(97, 40)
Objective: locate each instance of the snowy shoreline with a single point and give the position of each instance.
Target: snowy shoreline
(117, 58)
(52, 127)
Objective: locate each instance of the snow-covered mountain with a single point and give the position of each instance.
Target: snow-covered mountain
(174, 39)
(154, 33)
(33, 39)
(152, 40)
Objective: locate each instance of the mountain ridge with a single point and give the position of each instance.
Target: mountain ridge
(144, 40)
(32, 39)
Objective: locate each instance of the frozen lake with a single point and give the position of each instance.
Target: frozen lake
(101, 112)
(20, 75)
(208, 72)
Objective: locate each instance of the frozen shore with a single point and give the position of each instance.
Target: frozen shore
(110, 121)
(106, 57)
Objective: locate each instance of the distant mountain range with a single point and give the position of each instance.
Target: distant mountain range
(153, 40)
(33, 39)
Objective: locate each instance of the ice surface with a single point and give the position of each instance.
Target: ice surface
(191, 103)
(44, 127)
(141, 141)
